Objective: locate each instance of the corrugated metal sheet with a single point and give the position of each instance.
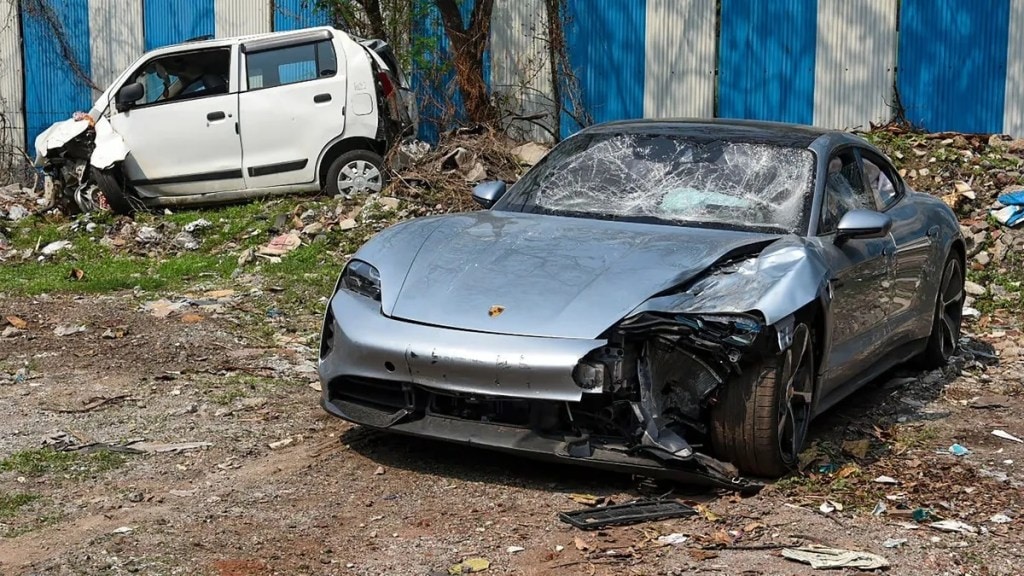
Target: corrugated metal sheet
(1013, 115)
(54, 87)
(766, 60)
(242, 17)
(952, 63)
(520, 66)
(296, 14)
(116, 38)
(174, 21)
(605, 39)
(680, 59)
(855, 65)
(12, 103)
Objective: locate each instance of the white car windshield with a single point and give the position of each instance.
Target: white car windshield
(668, 179)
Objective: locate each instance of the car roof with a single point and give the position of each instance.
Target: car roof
(232, 40)
(753, 131)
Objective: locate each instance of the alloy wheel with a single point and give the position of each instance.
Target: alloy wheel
(359, 177)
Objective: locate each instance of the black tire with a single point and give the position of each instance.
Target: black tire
(947, 316)
(356, 172)
(760, 421)
(120, 199)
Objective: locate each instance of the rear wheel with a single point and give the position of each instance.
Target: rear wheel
(949, 305)
(761, 422)
(355, 172)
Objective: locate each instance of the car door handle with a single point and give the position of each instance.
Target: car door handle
(321, 98)
(214, 116)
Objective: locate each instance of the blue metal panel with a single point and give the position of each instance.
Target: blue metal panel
(297, 14)
(952, 63)
(606, 41)
(55, 87)
(433, 78)
(766, 60)
(174, 21)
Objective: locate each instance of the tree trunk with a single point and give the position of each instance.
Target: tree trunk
(468, 43)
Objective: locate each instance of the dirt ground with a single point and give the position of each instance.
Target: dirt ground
(331, 498)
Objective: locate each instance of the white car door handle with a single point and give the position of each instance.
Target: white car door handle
(321, 98)
(214, 116)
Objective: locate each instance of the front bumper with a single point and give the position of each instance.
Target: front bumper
(432, 382)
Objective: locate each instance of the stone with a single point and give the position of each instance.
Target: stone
(347, 224)
(16, 212)
(1015, 146)
(389, 203)
(983, 258)
(477, 174)
(313, 229)
(974, 289)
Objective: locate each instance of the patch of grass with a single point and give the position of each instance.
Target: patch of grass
(11, 503)
(45, 461)
(226, 391)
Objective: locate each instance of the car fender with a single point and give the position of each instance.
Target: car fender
(110, 146)
(57, 136)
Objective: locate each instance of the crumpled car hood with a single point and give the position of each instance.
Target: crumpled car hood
(551, 276)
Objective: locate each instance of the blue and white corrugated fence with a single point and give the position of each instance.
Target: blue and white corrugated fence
(955, 65)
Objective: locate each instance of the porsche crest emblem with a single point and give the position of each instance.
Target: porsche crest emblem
(495, 311)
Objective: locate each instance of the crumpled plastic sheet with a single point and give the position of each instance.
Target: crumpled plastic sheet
(1012, 212)
(720, 182)
(821, 558)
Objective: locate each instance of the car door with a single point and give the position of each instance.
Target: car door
(181, 134)
(861, 282)
(292, 107)
(914, 238)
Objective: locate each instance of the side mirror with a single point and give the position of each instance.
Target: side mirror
(858, 224)
(128, 95)
(487, 193)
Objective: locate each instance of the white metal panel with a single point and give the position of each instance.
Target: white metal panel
(520, 66)
(680, 59)
(1013, 116)
(12, 104)
(115, 38)
(855, 63)
(242, 17)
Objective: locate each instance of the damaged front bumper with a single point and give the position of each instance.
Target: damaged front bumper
(584, 402)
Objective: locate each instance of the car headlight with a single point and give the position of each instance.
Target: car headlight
(361, 278)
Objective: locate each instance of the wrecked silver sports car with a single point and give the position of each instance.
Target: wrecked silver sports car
(676, 299)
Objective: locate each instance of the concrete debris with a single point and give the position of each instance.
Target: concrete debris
(530, 153)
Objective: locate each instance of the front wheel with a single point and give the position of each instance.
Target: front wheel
(949, 309)
(115, 193)
(761, 421)
(354, 173)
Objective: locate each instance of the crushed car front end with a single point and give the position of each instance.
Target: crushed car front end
(634, 400)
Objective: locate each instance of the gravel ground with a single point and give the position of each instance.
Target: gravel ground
(332, 498)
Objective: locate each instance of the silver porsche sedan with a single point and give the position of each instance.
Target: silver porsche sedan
(676, 299)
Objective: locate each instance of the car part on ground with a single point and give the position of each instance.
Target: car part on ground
(626, 514)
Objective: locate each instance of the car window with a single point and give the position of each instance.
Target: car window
(881, 183)
(844, 191)
(290, 65)
(184, 76)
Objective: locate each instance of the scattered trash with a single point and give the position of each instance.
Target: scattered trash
(894, 542)
(989, 402)
(672, 539)
(829, 506)
(197, 225)
(514, 549)
(1012, 212)
(148, 235)
(821, 558)
(163, 307)
(580, 544)
(886, 480)
(958, 450)
(921, 515)
(379, 471)
(157, 448)
(122, 530)
(115, 333)
(829, 468)
(953, 526)
(68, 330)
(470, 566)
(625, 514)
(281, 245)
(186, 241)
(191, 318)
(1007, 436)
(880, 509)
(1000, 519)
(280, 443)
(17, 322)
(587, 499)
(76, 274)
(54, 247)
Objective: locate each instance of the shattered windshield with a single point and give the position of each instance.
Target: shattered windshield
(669, 179)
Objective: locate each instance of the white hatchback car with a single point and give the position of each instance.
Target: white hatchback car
(221, 120)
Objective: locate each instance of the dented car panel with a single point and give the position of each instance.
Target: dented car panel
(646, 298)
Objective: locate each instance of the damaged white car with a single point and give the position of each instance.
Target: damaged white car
(222, 120)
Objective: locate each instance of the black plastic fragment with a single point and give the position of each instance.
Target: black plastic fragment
(625, 514)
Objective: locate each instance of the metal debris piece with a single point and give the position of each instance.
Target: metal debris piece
(821, 558)
(625, 514)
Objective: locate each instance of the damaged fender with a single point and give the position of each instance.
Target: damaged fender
(782, 279)
(110, 146)
(57, 136)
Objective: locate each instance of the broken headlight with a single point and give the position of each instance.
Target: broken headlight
(361, 278)
(737, 329)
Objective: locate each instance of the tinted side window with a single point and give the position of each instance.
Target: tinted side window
(844, 191)
(881, 184)
(291, 65)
